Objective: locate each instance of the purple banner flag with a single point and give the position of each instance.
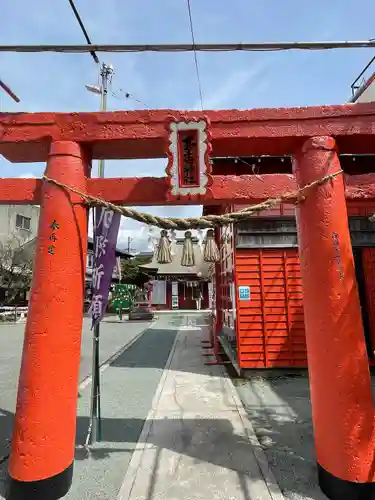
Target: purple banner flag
(106, 228)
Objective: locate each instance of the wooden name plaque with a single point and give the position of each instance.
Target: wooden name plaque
(189, 165)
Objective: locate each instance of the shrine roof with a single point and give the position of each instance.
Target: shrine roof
(175, 267)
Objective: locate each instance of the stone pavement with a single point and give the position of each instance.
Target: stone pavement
(197, 442)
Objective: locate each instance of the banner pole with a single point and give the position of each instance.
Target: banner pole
(95, 418)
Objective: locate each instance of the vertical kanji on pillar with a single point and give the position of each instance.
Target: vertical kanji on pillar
(42, 454)
(341, 396)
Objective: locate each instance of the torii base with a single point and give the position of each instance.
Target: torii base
(52, 488)
(338, 489)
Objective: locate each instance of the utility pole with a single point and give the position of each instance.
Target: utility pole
(95, 431)
(129, 244)
(106, 73)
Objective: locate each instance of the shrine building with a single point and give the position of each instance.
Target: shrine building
(258, 279)
(265, 327)
(175, 286)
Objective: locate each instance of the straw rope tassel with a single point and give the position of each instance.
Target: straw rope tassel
(211, 252)
(188, 258)
(164, 255)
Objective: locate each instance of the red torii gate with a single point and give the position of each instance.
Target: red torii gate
(42, 454)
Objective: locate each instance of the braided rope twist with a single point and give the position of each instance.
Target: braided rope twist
(202, 222)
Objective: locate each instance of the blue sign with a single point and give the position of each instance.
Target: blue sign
(244, 292)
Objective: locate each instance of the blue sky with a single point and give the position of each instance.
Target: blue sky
(56, 82)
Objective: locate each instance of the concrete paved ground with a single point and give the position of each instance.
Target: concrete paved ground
(128, 386)
(197, 442)
(203, 448)
(280, 411)
(278, 407)
(114, 336)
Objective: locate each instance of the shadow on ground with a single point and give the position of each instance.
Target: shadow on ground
(279, 409)
(141, 353)
(206, 441)
(151, 350)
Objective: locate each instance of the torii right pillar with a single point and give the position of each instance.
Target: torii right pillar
(340, 384)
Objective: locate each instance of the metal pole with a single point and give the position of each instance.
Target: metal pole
(105, 73)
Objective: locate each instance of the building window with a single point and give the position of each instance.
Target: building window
(23, 222)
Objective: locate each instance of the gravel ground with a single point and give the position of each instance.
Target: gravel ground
(280, 411)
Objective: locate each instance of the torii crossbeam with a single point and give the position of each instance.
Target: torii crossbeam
(42, 454)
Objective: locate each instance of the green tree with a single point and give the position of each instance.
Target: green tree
(131, 272)
(16, 264)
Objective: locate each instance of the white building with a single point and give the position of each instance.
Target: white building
(18, 229)
(363, 87)
(20, 221)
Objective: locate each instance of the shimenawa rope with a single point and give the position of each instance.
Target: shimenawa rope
(202, 222)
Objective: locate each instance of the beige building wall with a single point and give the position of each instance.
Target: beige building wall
(20, 221)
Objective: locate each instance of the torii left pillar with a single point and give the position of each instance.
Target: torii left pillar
(42, 454)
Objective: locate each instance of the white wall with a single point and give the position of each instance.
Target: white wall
(8, 215)
(367, 91)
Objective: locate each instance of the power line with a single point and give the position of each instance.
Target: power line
(9, 91)
(188, 47)
(80, 22)
(195, 54)
(128, 96)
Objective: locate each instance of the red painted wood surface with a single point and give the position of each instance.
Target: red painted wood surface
(340, 384)
(45, 420)
(363, 208)
(240, 190)
(270, 327)
(224, 189)
(147, 191)
(282, 210)
(142, 133)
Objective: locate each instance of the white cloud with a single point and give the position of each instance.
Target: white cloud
(231, 87)
(139, 233)
(27, 175)
(134, 168)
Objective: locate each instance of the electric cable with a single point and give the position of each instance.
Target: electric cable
(84, 31)
(195, 54)
(127, 95)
